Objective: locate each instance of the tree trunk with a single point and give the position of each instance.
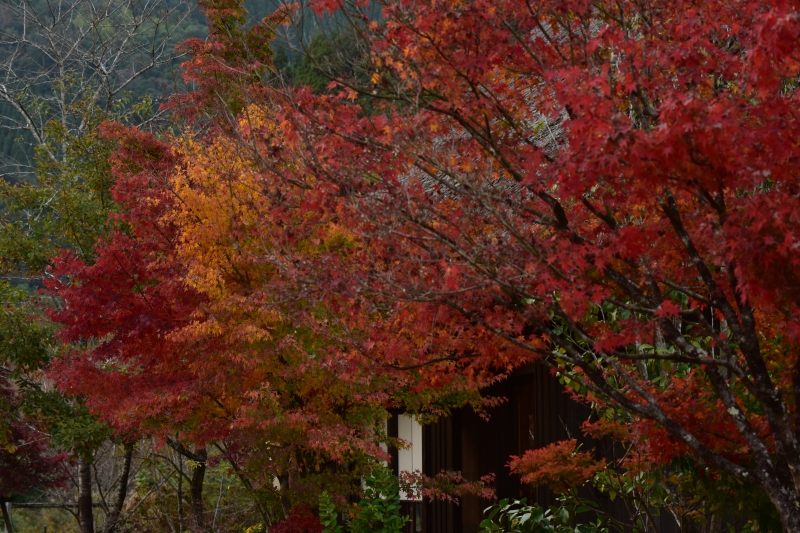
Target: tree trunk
(180, 493)
(196, 489)
(85, 511)
(790, 520)
(286, 504)
(122, 491)
(786, 504)
(6, 516)
(199, 456)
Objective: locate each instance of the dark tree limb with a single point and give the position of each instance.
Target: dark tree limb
(85, 511)
(122, 491)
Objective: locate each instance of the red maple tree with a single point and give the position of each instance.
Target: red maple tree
(609, 186)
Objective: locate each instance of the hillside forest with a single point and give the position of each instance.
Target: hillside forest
(238, 239)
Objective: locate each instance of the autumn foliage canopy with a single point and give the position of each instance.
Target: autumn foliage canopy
(610, 188)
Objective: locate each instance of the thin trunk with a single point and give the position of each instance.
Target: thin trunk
(219, 499)
(180, 492)
(248, 485)
(85, 511)
(196, 489)
(199, 457)
(6, 516)
(122, 491)
(286, 504)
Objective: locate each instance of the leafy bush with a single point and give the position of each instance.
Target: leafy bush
(516, 516)
(378, 511)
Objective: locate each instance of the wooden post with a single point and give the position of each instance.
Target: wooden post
(6, 506)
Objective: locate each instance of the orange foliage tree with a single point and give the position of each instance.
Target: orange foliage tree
(192, 324)
(608, 187)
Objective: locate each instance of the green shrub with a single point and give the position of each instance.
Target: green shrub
(378, 511)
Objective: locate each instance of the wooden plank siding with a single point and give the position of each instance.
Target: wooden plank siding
(442, 451)
(535, 411)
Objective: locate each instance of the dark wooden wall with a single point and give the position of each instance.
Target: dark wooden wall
(535, 411)
(442, 451)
